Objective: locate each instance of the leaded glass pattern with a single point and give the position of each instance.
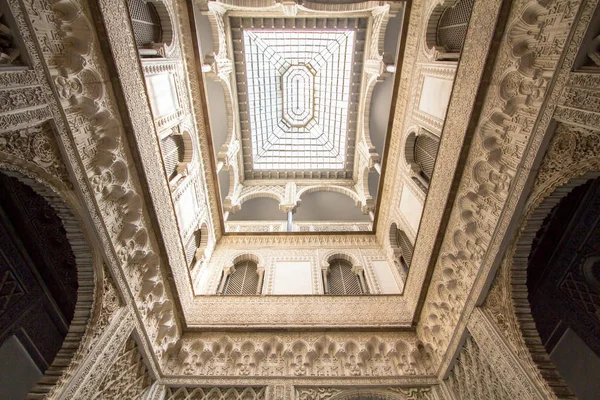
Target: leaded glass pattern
(298, 83)
(298, 95)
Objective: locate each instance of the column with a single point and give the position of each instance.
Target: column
(325, 272)
(289, 220)
(226, 272)
(359, 271)
(377, 167)
(261, 276)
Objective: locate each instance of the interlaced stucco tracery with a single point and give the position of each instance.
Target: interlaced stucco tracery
(63, 118)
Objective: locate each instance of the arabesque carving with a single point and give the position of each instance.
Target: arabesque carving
(294, 356)
(500, 141)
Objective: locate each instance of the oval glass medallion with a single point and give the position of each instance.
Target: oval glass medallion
(298, 95)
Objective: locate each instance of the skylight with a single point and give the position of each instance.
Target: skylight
(298, 88)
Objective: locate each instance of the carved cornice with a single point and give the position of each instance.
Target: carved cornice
(484, 201)
(301, 355)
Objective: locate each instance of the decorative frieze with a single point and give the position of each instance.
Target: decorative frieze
(303, 355)
(37, 145)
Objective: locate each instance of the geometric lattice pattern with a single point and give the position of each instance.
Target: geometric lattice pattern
(216, 393)
(127, 378)
(298, 86)
(243, 281)
(342, 280)
(145, 22)
(452, 27)
(426, 149)
(581, 292)
(473, 378)
(10, 289)
(406, 247)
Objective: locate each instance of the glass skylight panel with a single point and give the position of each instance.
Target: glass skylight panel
(298, 85)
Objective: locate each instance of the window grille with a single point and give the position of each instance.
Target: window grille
(192, 244)
(452, 27)
(172, 148)
(145, 22)
(243, 280)
(426, 149)
(342, 280)
(420, 184)
(406, 248)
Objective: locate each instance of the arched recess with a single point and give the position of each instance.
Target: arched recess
(571, 160)
(401, 247)
(343, 275)
(368, 394)
(330, 188)
(177, 151)
(89, 272)
(420, 153)
(446, 29)
(243, 278)
(196, 245)
(153, 29)
(522, 263)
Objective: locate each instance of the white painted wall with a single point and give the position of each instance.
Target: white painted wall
(385, 277)
(411, 208)
(186, 208)
(162, 94)
(435, 96)
(292, 277)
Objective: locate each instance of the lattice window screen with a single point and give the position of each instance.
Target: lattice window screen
(192, 244)
(406, 247)
(172, 148)
(419, 184)
(426, 149)
(243, 281)
(342, 280)
(145, 22)
(452, 27)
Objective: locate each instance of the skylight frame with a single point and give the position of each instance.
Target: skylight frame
(317, 167)
(323, 59)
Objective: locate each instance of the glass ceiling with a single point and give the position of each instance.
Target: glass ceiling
(298, 86)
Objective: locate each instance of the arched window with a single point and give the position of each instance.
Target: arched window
(146, 24)
(173, 151)
(406, 249)
(242, 280)
(192, 245)
(152, 27)
(342, 279)
(447, 28)
(195, 246)
(420, 152)
(425, 151)
(402, 247)
(452, 27)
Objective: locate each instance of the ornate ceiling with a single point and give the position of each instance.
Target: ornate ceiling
(299, 88)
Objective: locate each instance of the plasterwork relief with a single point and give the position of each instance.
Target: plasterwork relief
(119, 31)
(92, 125)
(392, 393)
(37, 145)
(573, 152)
(127, 377)
(502, 360)
(485, 194)
(216, 393)
(302, 355)
(473, 378)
